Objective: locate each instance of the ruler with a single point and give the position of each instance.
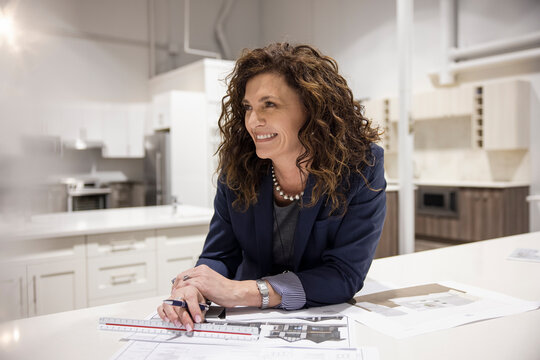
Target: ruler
(158, 326)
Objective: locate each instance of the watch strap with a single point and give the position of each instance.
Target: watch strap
(263, 289)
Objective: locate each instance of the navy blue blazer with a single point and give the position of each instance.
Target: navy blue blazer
(332, 254)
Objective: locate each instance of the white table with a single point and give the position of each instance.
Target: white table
(74, 334)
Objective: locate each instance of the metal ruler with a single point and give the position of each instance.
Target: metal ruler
(158, 326)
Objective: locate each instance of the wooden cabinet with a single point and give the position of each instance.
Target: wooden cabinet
(506, 108)
(177, 250)
(443, 103)
(388, 244)
(484, 213)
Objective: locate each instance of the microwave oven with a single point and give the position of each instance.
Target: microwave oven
(440, 201)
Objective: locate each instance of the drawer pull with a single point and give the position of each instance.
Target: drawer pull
(123, 279)
(21, 293)
(122, 246)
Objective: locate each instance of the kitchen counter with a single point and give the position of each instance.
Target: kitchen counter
(105, 221)
(465, 183)
(67, 335)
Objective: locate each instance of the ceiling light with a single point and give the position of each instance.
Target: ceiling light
(7, 29)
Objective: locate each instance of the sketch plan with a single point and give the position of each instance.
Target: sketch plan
(302, 335)
(297, 332)
(418, 298)
(325, 331)
(419, 309)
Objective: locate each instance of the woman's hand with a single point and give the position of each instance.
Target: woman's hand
(179, 315)
(217, 288)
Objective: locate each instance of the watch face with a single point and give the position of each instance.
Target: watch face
(263, 289)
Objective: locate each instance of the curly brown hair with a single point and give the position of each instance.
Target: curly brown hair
(336, 136)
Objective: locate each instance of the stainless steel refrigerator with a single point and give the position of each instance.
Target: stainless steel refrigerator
(157, 169)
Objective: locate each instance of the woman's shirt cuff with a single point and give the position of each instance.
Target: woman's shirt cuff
(290, 288)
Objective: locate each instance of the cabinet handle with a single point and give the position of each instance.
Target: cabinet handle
(35, 294)
(124, 278)
(21, 292)
(118, 246)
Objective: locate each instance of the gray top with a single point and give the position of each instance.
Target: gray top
(285, 219)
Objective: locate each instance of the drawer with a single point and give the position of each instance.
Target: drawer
(121, 274)
(43, 250)
(122, 298)
(178, 250)
(175, 239)
(120, 243)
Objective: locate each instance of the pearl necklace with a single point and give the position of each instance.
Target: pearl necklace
(278, 188)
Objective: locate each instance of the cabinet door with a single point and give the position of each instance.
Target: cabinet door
(56, 286)
(506, 115)
(115, 128)
(178, 250)
(136, 120)
(13, 301)
(161, 111)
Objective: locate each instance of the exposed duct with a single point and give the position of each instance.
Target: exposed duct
(187, 48)
(495, 53)
(218, 29)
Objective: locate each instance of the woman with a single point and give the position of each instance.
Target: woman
(300, 202)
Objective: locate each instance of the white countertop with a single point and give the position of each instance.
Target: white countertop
(464, 183)
(105, 221)
(70, 335)
(392, 187)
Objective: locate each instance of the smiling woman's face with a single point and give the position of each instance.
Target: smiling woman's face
(274, 115)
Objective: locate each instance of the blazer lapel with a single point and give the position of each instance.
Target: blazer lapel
(306, 219)
(264, 218)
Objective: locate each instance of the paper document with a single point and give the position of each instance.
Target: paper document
(523, 254)
(307, 329)
(303, 334)
(166, 351)
(420, 309)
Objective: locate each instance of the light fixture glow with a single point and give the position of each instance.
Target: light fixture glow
(80, 144)
(7, 29)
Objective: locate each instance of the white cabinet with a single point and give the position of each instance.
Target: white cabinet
(192, 148)
(74, 122)
(119, 265)
(177, 250)
(13, 301)
(123, 131)
(187, 101)
(120, 275)
(56, 286)
(161, 110)
(42, 276)
(506, 108)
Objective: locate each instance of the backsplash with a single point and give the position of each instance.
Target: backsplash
(465, 165)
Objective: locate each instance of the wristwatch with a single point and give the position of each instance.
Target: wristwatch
(263, 289)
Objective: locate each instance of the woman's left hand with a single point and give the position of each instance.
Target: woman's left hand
(217, 288)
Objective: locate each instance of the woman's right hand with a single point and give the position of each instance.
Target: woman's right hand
(179, 315)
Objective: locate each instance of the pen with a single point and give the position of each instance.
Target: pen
(184, 304)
